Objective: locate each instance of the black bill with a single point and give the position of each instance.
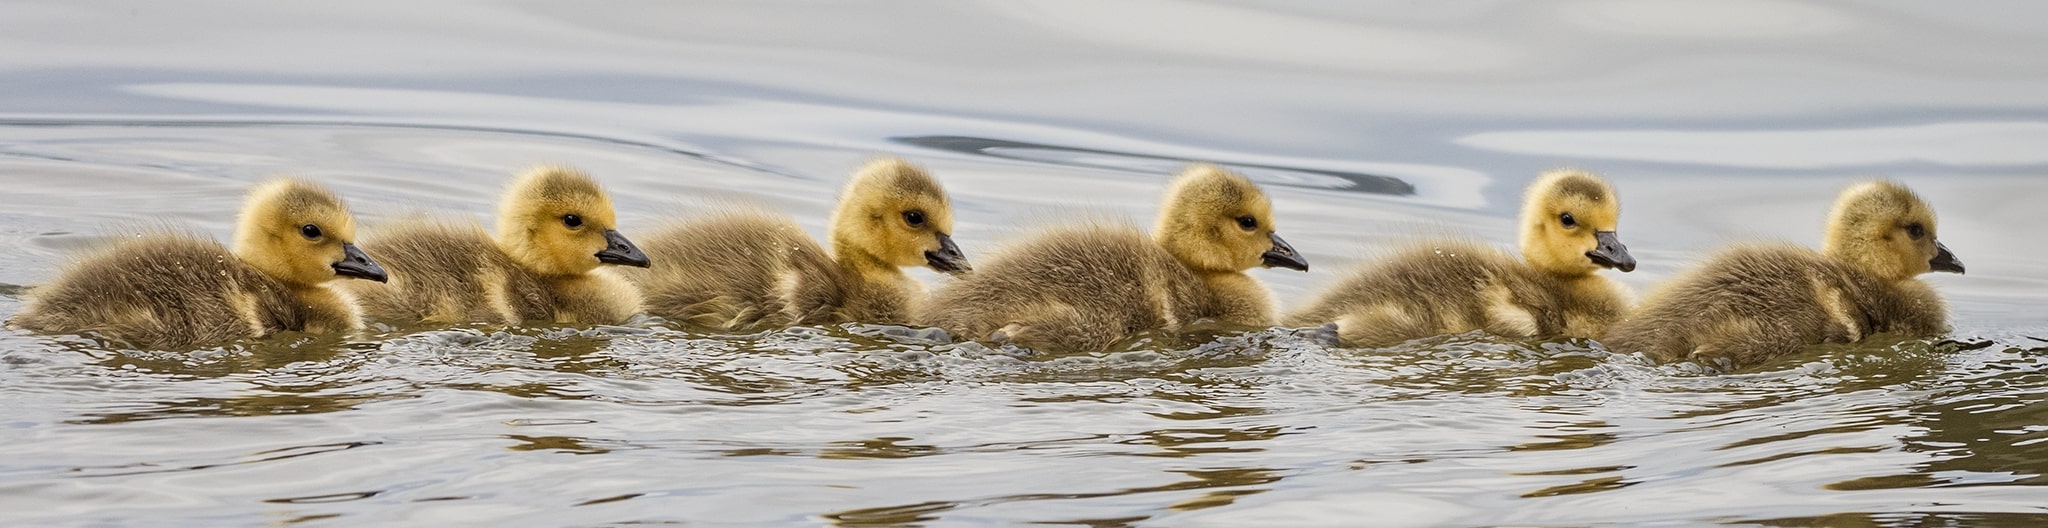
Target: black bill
(620, 251)
(1944, 260)
(1283, 256)
(1611, 253)
(355, 263)
(948, 258)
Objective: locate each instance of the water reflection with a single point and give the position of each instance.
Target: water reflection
(873, 448)
(1593, 485)
(1208, 481)
(1186, 443)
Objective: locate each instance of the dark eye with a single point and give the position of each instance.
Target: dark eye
(1567, 220)
(1247, 222)
(573, 221)
(914, 218)
(312, 231)
(1916, 231)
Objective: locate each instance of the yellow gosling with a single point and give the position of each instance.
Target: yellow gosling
(1435, 287)
(555, 228)
(748, 269)
(1754, 302)
(1085, 287)
(169, 290)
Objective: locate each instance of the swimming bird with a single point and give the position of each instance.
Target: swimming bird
(1437, 287)
(1754, 302)
(748, 269)
(555, 227)
(1084, 287)
(169, 290)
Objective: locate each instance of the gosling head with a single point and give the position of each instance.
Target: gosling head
(300, 233)
(1216, 220)
(557, 221)
(1568, 222)
(1887, 230)
(894, 212)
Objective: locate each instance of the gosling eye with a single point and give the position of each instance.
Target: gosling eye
(1568, 221)
(1916, 231)
(914, 218)
(1247, 222)
(312, 232)
(572, 220)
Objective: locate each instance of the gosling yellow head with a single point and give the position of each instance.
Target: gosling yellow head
(300, 233)
(1214, 220)
(557, 221)
(1568, 224)
(1888, 231)
(893, 212)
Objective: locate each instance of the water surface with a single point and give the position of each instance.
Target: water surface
(1369, 125)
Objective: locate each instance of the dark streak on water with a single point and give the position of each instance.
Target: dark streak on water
(1152, 164)
(353, 123)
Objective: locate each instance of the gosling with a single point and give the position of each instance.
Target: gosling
(748, 269)
(1086, 287)
(1752, 303)
(1568, 224)
(555, 228)
(171, 290)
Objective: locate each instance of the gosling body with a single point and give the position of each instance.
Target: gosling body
(555, 229)
(1568, 233)
(1752, 303)
(1086, 287)
(746, 269)
(171, 290)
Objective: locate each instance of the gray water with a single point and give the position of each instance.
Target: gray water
(1369, 124)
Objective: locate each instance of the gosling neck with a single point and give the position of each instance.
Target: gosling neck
(867, 269)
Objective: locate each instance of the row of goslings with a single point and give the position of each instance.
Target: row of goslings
(1083, 286)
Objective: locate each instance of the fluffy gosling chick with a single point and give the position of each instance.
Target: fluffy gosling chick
(555, 227)
(745, 269)
(1085, 287)
(1751, 303)
(168, 290)
(1441, 287)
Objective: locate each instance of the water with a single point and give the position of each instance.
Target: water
(1369, 124)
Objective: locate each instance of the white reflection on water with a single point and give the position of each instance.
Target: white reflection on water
(1978, 144)
(1300, 78)
(1720, 20)
(1268, 37)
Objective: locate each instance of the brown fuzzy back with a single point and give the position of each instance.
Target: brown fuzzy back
(169, 291)
(1076, 288)
(1752, 303)
(448, 272)
(739, 270)
(1437, 288)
